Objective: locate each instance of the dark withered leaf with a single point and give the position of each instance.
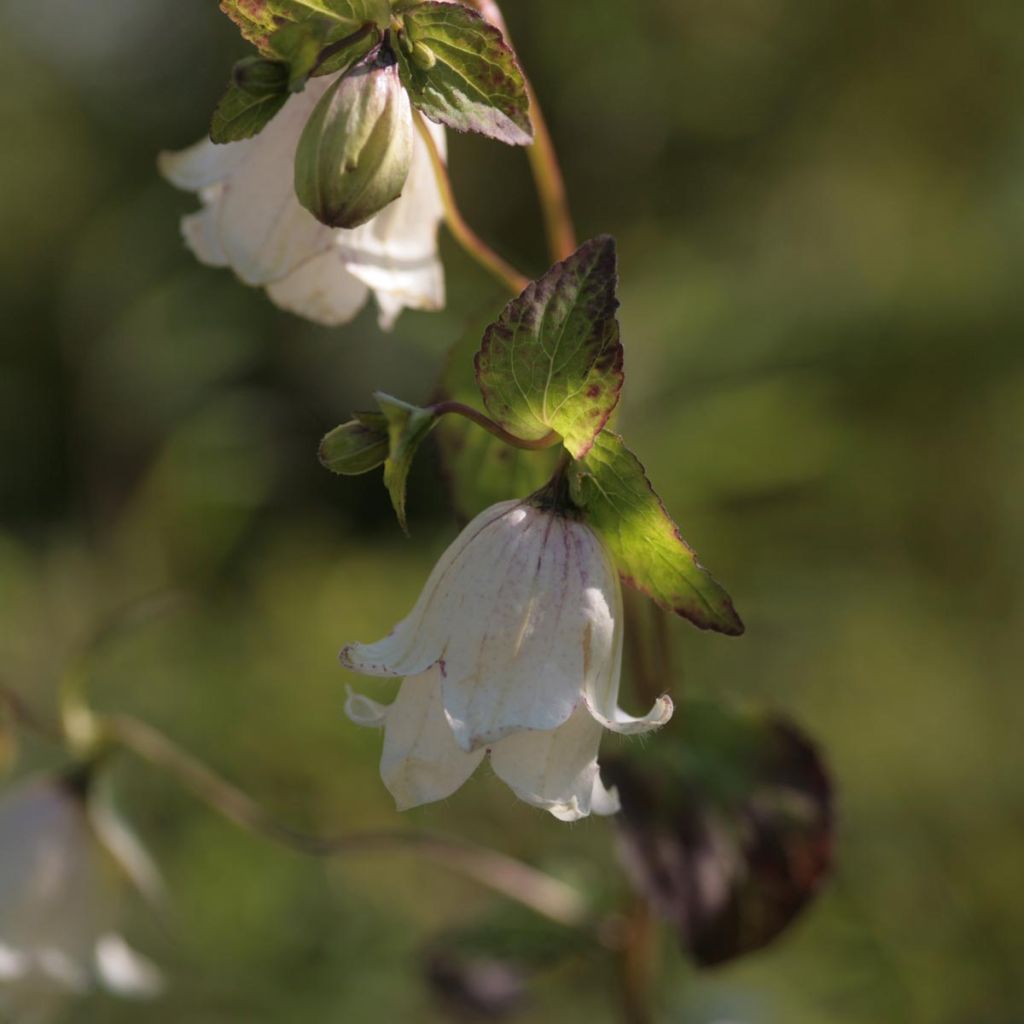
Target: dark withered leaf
(726, 827)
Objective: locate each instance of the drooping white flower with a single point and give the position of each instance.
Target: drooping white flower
(514, 649)
(252, 222)
(59, 889)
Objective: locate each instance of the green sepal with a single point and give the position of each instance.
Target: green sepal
(356, 447)
(257, 91)
(553, 359)
(407, 426)
(481, 470)
(321, 46)
(461, 73)
(618, 501)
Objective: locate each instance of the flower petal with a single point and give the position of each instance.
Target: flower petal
(419, 640)
(321, 290)
(555, 770)
(618, 721)
(520, 654)
(125, 972)
(421, 761)
(601, 691)
(365, 712)
(203, 164)
(200, 233)
(395, 254)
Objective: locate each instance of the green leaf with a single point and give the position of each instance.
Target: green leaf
(553, 360)
(481, 470)
(357, 447)
(320, 45)
(618, 501)
(258, 20)
(407, 426)
(460, 72)
(258, 90)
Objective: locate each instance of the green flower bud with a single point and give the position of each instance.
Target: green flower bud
(358, 446)
(423, 56)
(259, 77)
(355, 152)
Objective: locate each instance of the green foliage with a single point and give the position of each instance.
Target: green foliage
(258, 90)
(321, 46)
(481, 470)
(553, 360)
(611, 487)
(460, 72)
(356, 447)
(407, 425)
(258, 20)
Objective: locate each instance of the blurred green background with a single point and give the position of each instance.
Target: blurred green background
(820, 212)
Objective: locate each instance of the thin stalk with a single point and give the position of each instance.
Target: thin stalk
(638, 964)
(549, 440)
(463, 233)
(544, 165)
(21, 714)
(513, 879)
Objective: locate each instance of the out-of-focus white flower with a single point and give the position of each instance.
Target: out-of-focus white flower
(252, 222)
(59, 891)
(514, 648)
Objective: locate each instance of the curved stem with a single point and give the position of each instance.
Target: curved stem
(544, 165)
(464, 234)
(511, 878)
(549, 440)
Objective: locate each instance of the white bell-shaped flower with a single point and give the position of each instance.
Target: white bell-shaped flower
(59, 889)
(514, 649)
(252, 222)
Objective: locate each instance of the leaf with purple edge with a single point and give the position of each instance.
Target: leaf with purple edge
(461, 73)
(258, 20)
(553, 359)
(727, 829)
(618, 501)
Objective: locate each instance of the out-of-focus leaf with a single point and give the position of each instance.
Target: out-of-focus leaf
(726, 827)
(476, 987)
(611, 487)
(553, 360)
(257, 91)
(483, 970)
(480, 469)
(461, 73)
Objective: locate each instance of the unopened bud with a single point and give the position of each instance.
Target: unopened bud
(259, 77)
(356, 447)
(423, 56)
(355, 152)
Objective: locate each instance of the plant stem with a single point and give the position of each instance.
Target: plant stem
(638, 964)
(549, 440)
(513, 879)
(547, 171)
(464, 234)
(21, 714)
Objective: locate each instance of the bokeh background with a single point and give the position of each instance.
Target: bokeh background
(820, 212)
